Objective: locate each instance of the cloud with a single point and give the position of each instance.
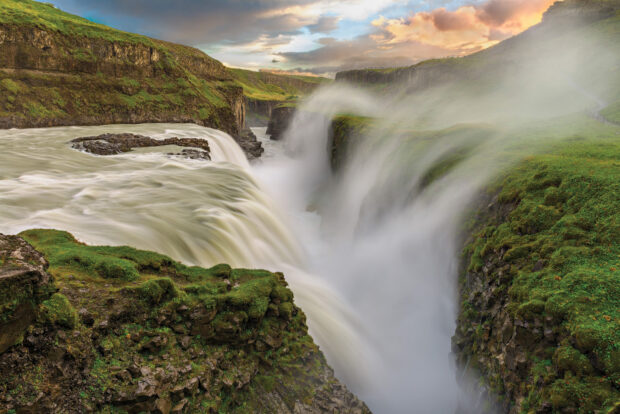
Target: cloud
(286, 34)
(324, 25)
(424, 35)
(468, 28)
(199, 21)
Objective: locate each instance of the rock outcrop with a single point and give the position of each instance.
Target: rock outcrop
(24, 284)
(280, 120)
(112, 144)
(259, 111)
(134, 331)
(250, 144)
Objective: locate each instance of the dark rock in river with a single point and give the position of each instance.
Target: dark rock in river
(250, 144)
(280, 119)
(112, 144)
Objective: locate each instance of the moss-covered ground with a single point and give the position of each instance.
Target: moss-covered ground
(143, 328)
(560, 247)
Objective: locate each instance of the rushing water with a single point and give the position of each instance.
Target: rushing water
(370, 253)
(196, 211)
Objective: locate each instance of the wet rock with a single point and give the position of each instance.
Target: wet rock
(124, 376)
(252, 147)
(86, 317)
(112, 144)
(192, 154)
(185, 342)
(155, 344)
(180, 407)
(147, 388)
(280, 119)
(163, 406)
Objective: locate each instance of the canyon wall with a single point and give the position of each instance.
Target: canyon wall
(58, 69)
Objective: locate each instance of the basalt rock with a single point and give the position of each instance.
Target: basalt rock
(280, 119)
(112, 144)
(249, 143)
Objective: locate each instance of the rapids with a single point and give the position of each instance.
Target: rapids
(198, 212)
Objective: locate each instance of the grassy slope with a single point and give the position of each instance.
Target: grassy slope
(43, 15)
(245, 308)
(264, 86)
(175, 92)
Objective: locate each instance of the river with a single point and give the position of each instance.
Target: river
(380, 302)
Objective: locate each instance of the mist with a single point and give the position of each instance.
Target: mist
(388, 233)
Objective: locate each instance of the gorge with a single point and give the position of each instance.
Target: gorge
(450, 229)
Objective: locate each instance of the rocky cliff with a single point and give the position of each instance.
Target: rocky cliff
(59, 69)
(114, 329)
(280, 119)
(538, 317)
(266, 91)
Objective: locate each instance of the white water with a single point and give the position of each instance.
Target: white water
(378, 289)
(370, 256)
(391, 256)
(199, 212)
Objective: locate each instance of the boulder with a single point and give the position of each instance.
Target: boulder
(24, 284)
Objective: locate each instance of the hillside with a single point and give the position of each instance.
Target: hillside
(265, 91)
(60, 69)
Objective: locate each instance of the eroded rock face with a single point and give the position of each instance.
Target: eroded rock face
(250, 144)
(83, 80)
(280, 119)
(112, 144)
(24, 284)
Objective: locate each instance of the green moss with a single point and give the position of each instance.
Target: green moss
(156, 291)
(567, 358)
(561, 245)
(10, 86)
(58, 310)
(242, 325)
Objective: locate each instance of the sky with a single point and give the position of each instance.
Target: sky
(319, 36)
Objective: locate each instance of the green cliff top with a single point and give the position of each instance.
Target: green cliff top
(140, 332)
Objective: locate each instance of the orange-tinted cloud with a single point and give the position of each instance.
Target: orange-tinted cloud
(466, 29)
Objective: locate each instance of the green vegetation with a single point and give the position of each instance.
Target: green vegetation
(144, 317)
(265, 86)
(48, 17)
(58, 310)
(345, 130)
(567, 221)
(10, 86)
